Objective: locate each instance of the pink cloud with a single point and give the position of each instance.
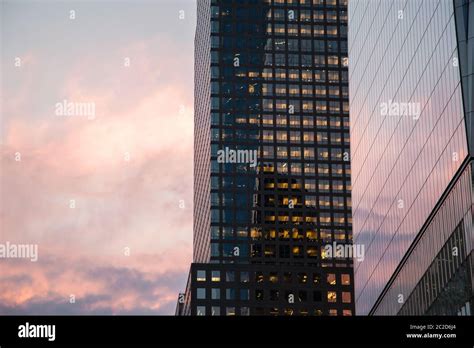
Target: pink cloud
(119, 203)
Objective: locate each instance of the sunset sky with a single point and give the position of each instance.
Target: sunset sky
(87, 190)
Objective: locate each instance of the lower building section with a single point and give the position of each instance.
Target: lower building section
(436, 275)
(257, 289)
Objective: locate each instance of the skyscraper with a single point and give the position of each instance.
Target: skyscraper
(272, 224)
(411, 105)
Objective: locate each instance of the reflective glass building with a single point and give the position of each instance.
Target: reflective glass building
(272, 172)
(411, 104)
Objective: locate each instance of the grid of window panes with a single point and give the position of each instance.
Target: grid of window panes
(247, 291)
(401, 53)
(202, 92)
(279, 86)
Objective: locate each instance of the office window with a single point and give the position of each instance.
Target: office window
(201, 293)
(244, 277)
(230, 276)
(216, 276)
(215, 294)
(346, 297)
(230, 294)
(201, 276)
(332, 296)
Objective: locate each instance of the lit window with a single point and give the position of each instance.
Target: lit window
(311, 235)
(230, 311)
(201, 276)
(312, 251)
(346, 312)
(245, 311)
(296, 251)
(302, 278)
(332, 296)
(216, 276)
(346, 297)
(331, 279)
(333, 312)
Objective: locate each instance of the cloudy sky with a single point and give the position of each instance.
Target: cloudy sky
(107, 196)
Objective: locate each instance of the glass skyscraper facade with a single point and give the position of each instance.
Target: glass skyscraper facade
(411, 91)
(272, 171)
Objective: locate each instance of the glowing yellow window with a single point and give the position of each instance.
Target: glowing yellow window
(271, 234)
(294, 90)
(267, 74)
(326, 219)
(320, 122)
(269, 251)
(269, 169)
(294, 75)
(295, 153)
(312, 251)
(280, 90)
(293, 31)
(255, 233)
(305, 30)
(324, 254)
(323, 186)
(324, 202)
(332, 296)
(296, 250)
